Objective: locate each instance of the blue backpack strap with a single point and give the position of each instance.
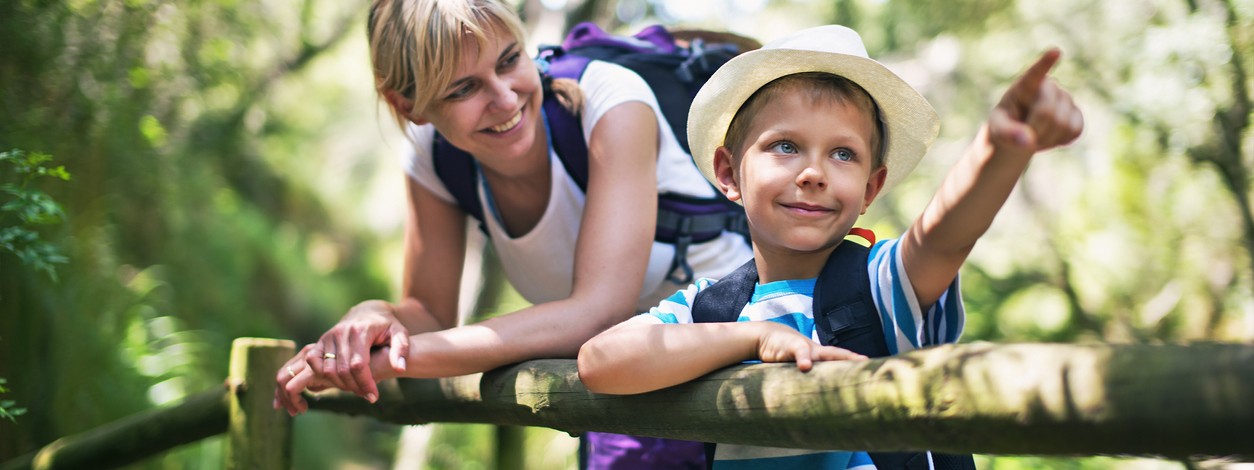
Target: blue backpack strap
(566, 134)
(457, 170)
(845, 316)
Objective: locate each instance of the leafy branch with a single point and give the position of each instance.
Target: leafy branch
(7, 410)
(31, 207)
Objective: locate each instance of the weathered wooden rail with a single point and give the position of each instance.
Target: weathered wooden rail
(1175, 401)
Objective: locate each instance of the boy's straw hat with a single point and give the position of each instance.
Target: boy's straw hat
(910, 123)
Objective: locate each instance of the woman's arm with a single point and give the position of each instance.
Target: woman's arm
(1034, 115)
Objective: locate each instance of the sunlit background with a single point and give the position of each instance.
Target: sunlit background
(231, 174)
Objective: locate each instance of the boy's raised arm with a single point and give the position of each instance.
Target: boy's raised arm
(1034, 115)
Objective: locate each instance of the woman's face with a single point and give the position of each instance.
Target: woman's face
(491, 109)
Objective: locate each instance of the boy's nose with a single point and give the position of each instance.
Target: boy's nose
(812, 175)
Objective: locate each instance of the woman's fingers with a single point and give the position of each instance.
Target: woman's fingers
(357, 363)
(322, 359)
(287, 392)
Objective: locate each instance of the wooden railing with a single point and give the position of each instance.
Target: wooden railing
(1175, 401)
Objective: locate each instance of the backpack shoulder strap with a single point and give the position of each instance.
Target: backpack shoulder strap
(566, 132)
(844, 311)
(723, 301)
(456, 169)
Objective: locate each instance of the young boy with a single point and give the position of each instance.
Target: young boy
(805, 133)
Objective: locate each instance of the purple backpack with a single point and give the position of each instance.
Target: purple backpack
(674, 73)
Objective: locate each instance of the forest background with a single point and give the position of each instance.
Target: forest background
(221, 168)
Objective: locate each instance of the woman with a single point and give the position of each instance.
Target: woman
(459, 67)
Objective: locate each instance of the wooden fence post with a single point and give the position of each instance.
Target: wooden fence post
(259, 436)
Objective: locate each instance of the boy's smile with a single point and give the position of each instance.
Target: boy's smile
(805, 175)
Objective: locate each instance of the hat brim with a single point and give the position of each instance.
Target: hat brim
(910, 123)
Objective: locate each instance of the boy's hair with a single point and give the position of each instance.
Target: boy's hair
(819, 86)
(416, 45)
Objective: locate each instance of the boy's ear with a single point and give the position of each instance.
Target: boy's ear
(725, 174)
(873, 186)
(403, 106)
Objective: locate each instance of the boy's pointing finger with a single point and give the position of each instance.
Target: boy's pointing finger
(1029, 84)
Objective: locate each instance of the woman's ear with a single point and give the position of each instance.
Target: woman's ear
(725, 173)
(402, 106)
(873, 186)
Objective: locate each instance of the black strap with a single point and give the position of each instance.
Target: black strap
(723, 301)
(844, 311)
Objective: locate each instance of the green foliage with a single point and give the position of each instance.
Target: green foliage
(8, 408)
(198, 211)
(30, 206)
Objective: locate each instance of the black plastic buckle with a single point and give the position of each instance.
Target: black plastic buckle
(682, 240)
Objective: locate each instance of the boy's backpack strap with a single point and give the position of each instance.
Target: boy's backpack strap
(845, 316)
(723, 300)
(844, 312)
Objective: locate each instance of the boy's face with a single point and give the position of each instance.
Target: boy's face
(806, 172)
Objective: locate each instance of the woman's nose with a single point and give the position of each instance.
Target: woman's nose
(503, 94)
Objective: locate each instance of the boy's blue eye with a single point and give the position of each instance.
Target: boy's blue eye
(783, 147)
(843, 155)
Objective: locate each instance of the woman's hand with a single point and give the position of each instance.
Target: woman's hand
(342, 355)
(296, 376)
(779, 343)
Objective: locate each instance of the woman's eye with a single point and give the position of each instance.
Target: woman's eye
(843, 155)
(783, 147)
(460, 92)
(509, 61)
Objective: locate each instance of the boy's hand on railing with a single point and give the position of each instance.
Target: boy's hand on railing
(1036, 114)
(780, 343)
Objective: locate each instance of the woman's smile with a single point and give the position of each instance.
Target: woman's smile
(507, 125)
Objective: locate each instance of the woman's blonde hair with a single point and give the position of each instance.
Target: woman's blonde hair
(415, 45)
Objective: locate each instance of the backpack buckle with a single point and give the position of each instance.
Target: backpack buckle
(683, 239)
(737, 222)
